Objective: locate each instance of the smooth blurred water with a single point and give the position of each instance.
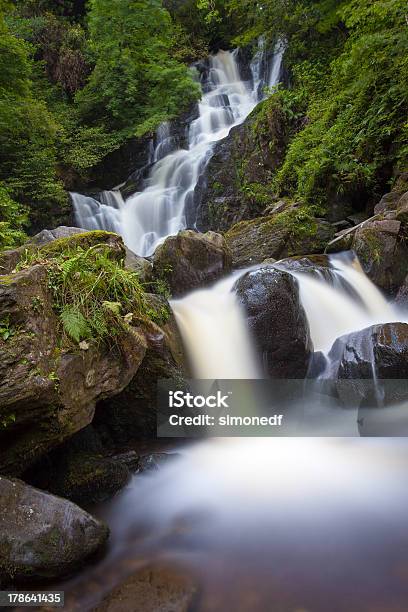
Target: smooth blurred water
(159, 210)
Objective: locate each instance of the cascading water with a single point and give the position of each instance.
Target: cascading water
(148, 217)
(257, 519)
(215, 335)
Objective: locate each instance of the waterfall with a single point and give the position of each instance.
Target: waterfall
(104, 214)
(146, 218)
(333, 311)
(216, 338)
(213, 328)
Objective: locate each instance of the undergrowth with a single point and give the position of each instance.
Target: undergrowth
(93, 294)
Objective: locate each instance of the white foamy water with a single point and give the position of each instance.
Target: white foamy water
(148, 217)
(333, 312)
(292, 520)
(215, 334)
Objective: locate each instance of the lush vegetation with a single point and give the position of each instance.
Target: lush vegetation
(348, 62)
(93, 294)
(74, 85)
(78, 79)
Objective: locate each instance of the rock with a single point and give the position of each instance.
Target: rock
(402, 208)
(277, 321)
(154, 589)
(57, 240)
(80, 470)
(235, 185)
(140, 265)
(130, 459)
(383, 254)
(48, 393)
(132, 414)
(387, 202)
(402, 295)
(190, 260)
(155, 461)
(277, 236)
(377, 353)
(46, 236)
(43, 536)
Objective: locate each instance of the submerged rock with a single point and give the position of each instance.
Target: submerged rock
(43, 536)
(190, 260)
(277, 321)
(153, 589)
(155, 461)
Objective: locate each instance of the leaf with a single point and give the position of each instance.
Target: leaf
(74, 323)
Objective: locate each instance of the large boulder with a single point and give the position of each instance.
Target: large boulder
(132, 414)
(383, 253)
(378, 355)
(58, 239)
(282, 234)
(48, 391)
(277, 321)
(377, 352)
(190, 260)
(42, 536)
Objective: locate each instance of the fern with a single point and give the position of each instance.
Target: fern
(75, 324)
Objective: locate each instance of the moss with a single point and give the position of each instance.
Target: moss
(71, 243)
(374, 247)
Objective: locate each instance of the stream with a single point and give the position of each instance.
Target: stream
(280, 524)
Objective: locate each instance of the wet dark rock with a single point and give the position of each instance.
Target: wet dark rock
(155, 461)
(130, 459)
(277, 321)
(88, 479)
(190, 260)
(235, 184)
(43, 536)
(375, 354)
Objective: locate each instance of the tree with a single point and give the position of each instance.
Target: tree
(135, 84)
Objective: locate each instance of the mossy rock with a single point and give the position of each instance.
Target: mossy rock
(285, 234)
(190, 260)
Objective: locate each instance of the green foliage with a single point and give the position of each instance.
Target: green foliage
(27, 136)
(6, 329)
(92, 291)
(12, 220)
(135, 84)
(357, 121)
